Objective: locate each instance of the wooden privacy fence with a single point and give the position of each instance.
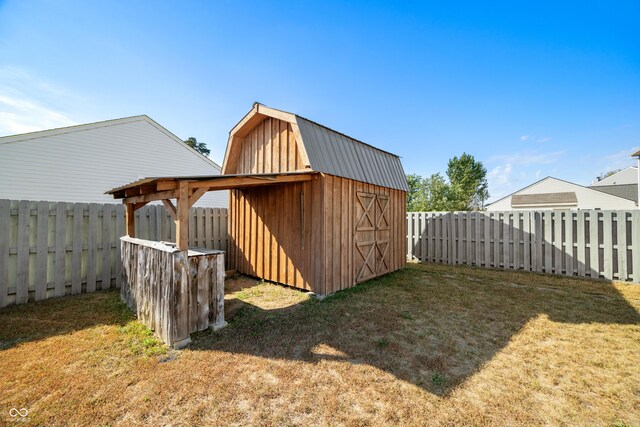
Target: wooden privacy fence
(587, 243)
(51, 249)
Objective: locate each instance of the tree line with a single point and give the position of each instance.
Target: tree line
(465, 187)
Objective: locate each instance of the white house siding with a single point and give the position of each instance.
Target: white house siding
(587, 198)
(625, 176)
(80, 163)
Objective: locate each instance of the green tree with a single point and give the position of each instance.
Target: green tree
(466, 189)
(437, 193)
(200, 147)
(417, 195)
(467, 182)
(427, 194)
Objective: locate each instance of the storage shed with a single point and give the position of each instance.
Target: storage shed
(309, 207)
(343, 227)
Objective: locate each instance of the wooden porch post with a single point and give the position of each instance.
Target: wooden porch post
(130, 220)
(182, 220)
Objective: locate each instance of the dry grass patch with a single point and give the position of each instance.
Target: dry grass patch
(427, 345)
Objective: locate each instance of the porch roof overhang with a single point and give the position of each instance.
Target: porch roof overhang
(162, 188)
(186, 190)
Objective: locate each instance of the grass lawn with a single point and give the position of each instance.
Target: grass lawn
(430, 344)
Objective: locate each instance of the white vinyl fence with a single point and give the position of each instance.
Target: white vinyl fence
(51, 249)
(588, 243)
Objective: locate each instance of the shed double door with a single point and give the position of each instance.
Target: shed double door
(371, 235)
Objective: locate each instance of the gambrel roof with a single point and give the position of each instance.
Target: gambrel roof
(325, 150)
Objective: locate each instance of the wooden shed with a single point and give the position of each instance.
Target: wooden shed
(344, 226)
(309, 207)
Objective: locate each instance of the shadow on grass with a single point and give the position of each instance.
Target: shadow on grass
(43, 319)
(433, 326)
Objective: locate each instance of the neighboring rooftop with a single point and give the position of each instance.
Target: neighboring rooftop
(628, 175)
(626, 191)
(568, 198)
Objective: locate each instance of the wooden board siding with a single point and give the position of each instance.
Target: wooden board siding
(303, 234)
(174, 293)
(270, 147)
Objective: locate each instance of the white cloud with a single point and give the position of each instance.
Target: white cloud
(26, 103)
(499, 179)
(500, 174)
(535, 138)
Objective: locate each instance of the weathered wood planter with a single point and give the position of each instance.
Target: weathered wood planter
(173, 292)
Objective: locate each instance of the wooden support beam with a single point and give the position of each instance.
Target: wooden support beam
(132, 191)
(198, 192)
(166, 185)
(137, 206)
(182, 222)
(249, 181)
(130, 220)
(170, 208)
(150, 197)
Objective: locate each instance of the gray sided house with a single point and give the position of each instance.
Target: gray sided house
(79, 163)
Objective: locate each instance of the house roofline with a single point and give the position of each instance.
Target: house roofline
(10, 139)
(558, 179)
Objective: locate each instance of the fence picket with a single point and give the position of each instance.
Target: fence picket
(487, 239)
(594, 256)
(42, 251)
(120, 231)
(580, 240)
(5, 221)
(557, 242)
(77, 237)
(635, 243)
(61, 248)
(92, 247)
(607, 243)
(622, 244)
(22, 275)
(526, 241)
(506, 240)
(568, 243)
(546, 241)
(497, 226)
(106, 246)
(516, 238)
(539, 234)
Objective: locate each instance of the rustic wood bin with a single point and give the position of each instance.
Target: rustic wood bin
(173, 292)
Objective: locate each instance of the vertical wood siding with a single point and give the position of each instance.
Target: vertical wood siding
(50, 249)
(586, 243)
(269, 147)
(303, 234)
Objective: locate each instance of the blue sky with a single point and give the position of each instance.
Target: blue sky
(530, 89)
